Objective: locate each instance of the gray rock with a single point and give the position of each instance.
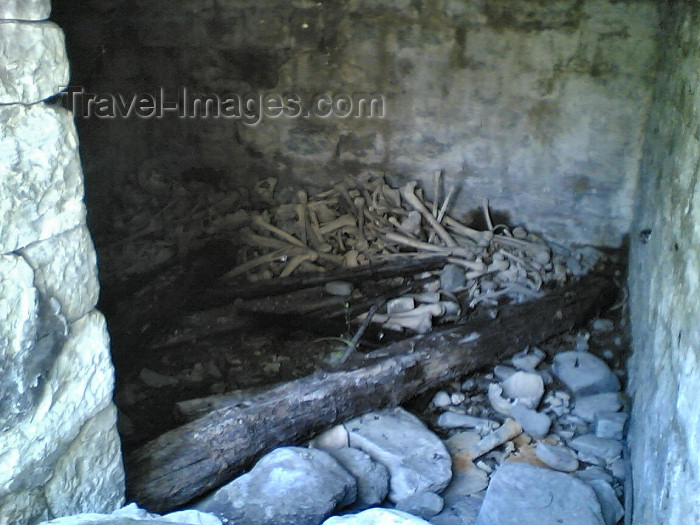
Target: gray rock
(452, 277)
(534, 423)
(610, 505)
(610, 424)
(33, 64)
(584, 373)
(556, 457)
(604, 448)
(288, 486)
(594, 473)
(25, 9)
(416, 458)
(457, 398)
(372, 477)
(47, 190)
(527, 388)
(424, 505)
(528, 359)
(442, 399)
(503, 372)
(467, 481)
(620, 468)
(586, 407)
(156, 380)
(461, 512)
(455, 420)
(520, 494)
(376, 517)
(132, 515)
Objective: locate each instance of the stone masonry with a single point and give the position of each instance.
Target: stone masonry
(60, 452)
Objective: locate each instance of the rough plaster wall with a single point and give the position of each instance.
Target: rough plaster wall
(59, 448)
(538, 106)
(665, 287)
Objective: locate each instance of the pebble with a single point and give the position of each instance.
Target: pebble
(610, 424)
(424, 505)
(503, 372)
(556, 457)
(468, 385)
(527, 388)
(586, 407)
(528, 359)
(442, 399)
(339, 288)
(457, 398)
(584, 373)
(604, 448)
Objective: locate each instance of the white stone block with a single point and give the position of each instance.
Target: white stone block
(25, 9)
(33, 61)
(41, 182)
(78, 385)
(65, 267)
(18, 325)
(89, 477)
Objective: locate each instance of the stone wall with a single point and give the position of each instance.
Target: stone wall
(538, 106)
(59, 450)
(665, 287)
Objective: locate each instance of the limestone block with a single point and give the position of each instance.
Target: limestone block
(89, 477)
(25, 9)
(26, 506)
(65, 267)
(18, 326)
(41, 184)
(33, 62)
(78, 385)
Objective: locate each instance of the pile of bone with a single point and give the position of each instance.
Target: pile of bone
(371, 222)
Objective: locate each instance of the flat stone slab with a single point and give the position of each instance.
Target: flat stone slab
(288, 486)
(372, 477)
(520, 494)
(584, 373)
(604, 448)
(416, 458)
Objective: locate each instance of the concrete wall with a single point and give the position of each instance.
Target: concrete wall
(665, 287)
(59, 449)
(538, 106)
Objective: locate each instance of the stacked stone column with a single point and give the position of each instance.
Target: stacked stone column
(59, 449)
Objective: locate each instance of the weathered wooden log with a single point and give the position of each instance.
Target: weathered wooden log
(207, 452)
